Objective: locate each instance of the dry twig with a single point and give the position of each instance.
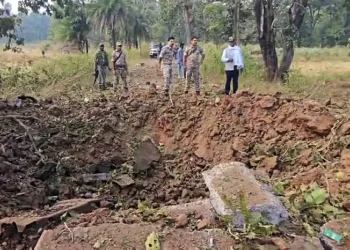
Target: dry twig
(19, 117)
(26, 128)
(70, 231)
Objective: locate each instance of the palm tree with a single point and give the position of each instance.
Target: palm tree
(71, 24)
(109, 16)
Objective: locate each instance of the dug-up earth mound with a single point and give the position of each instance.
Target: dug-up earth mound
(126, 155)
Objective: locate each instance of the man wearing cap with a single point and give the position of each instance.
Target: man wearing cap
(101, 65)
(120, 67)
(233, 59)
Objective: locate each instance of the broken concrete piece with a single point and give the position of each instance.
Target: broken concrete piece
(340, 227)
(53, 213)
(225, 183)
(181, 221)
(124, 180)
(131, 236)
(145, 154)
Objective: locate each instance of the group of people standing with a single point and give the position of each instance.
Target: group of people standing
(190, 59)
(119, 64)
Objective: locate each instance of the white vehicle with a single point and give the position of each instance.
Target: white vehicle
(154, 50)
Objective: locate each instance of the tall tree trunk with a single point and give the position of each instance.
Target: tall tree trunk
(264, 16)
(87, 46)
(188, 22)
(296, 16)
(139, 45)
(114, 35)
(237, 20)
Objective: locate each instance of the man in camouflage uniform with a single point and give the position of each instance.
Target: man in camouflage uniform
(120, 67)
(101, 65)
(166, 56)
(194, 56)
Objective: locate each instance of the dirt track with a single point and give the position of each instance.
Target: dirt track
(48, 149)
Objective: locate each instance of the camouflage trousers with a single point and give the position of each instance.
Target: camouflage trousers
(168, 76)
(193, 75)
(120, 73)
(102, 75)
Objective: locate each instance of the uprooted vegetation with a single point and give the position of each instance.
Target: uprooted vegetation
(139, 148)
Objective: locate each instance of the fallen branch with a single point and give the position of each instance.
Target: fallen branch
(26, 128)
(19, 117)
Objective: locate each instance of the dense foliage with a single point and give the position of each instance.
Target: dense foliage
(326, 22)
(270, 23)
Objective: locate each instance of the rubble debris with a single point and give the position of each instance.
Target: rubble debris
(124, 180)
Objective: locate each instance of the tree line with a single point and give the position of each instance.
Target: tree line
(269, 23)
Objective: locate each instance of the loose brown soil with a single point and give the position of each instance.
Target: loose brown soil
(46, 149)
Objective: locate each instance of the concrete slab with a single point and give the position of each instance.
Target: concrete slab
(227, 181)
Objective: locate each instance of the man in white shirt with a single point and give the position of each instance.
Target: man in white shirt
(233, 59)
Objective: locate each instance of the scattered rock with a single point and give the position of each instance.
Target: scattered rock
(97, 245)
(145, 154)
(181, 221)
(267, 102)
(105, 204)
(320, 125)
(217, 100)
(95, 177)
(124, 180)
(347, 243)
(204, 152)
(345, 159)
(345, 129)
(238, 145)
(103, 167)
(346, 205)
(227, 181)
(269, 163)
(202, 224)
(184, 193)
(152, 89)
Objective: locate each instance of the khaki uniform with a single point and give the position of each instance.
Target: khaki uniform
(120, 68)
(167, 54)
(101, 63)
(193, 55)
